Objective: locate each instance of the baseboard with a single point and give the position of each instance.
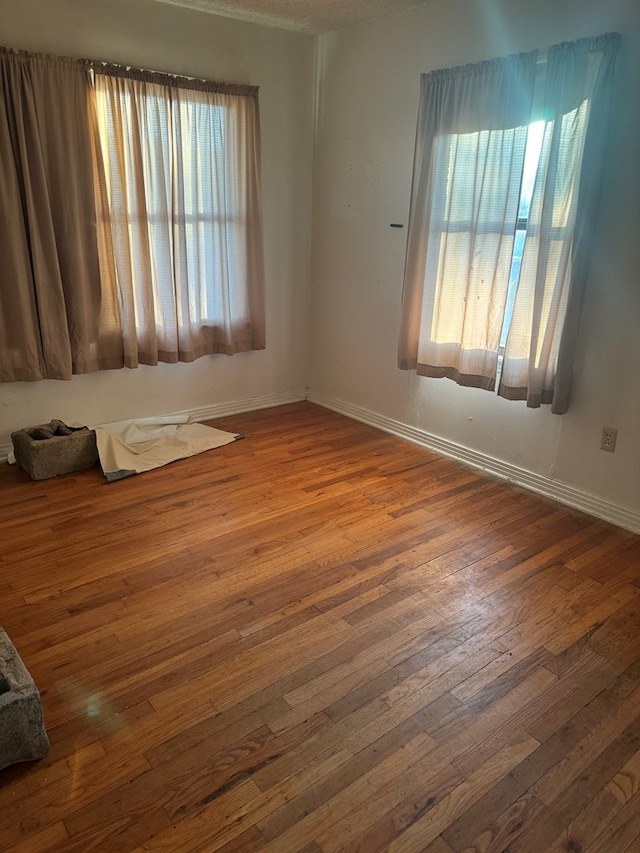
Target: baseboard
(220, 410)
(578, 499)
(249, 404)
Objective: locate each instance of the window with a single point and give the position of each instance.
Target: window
(181, 175)
(138, 238)
(492, 288)
(461, 153)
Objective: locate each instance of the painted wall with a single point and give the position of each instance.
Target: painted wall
(169, 38)
(366, 107)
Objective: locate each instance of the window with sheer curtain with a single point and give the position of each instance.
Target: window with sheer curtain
(180, 164)
(130, 215)
(506, 176)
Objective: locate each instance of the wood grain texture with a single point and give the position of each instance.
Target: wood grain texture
(320, 639)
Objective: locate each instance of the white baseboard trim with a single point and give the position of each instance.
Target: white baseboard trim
(617, 514)
(249, 404)
(220, 410)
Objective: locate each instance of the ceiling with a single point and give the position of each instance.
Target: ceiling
(310, 16)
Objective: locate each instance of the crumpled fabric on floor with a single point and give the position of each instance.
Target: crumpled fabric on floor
(131, 447)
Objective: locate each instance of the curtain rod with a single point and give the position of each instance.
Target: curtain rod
(115, 69)
(164, 78)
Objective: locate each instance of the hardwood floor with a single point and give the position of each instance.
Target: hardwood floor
(320, 639)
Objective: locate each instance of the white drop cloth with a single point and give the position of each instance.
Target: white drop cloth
(131, 447)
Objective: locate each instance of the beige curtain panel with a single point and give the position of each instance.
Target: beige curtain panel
(130, 209)
(464, 298)
(57, 316)
(543, 333)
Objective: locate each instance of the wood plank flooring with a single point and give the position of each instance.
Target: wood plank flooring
(320, 639)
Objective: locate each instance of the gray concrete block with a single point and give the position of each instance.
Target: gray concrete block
(49, 450)
(22, 732)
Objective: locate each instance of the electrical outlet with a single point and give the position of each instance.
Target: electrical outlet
(608, 439)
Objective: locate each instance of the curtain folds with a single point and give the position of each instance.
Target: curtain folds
(542, 337)
(461, 292)
(130, 218)
(470, 146)
(183, 179)
(57, 316)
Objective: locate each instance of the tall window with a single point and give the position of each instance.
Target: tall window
(130, 218)
(181, 178)
(492, 288)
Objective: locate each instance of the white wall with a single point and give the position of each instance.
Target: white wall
(367, 97)
(169, 38)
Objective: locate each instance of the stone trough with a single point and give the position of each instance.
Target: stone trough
(22, 732)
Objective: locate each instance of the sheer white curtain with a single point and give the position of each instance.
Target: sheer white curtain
(182, 164)
(470, 147)
(473, 127)
(541, 342)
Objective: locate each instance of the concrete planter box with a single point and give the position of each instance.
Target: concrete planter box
(22, 733)
(52, 449)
